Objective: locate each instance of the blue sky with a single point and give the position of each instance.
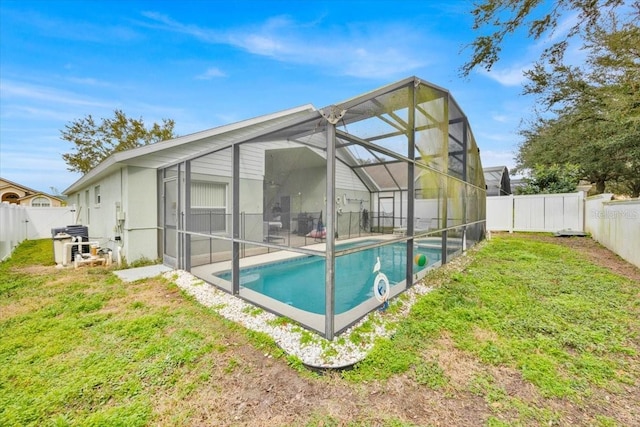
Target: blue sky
(208, 63)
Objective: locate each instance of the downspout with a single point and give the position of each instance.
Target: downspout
(120, 222)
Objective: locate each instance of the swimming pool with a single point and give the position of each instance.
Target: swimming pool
(300, 282)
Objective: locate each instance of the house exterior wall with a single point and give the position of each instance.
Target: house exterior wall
(305, 187)
(127, 211)
(140, 209)
(28, 200)
(100, 218)
(347, 180)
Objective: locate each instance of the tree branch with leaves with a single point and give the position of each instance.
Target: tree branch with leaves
(95, 141)
(499, 19)
(597, 111)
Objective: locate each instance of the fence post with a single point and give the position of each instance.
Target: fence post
(582, 205)
(512, 216)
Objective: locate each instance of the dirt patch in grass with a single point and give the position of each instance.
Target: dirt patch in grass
(459, 367)
(152, 293)
(12, 310)
(268, 394)
(36, 270)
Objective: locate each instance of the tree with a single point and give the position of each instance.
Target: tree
(551, 179)
(574, 138)
(94, 141)
(594, 108)
(597, 111)
(498, 19)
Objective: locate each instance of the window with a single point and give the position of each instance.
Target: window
(10, 197)
(40, 202)
(86, 202)
(208, 207)
(96, 195)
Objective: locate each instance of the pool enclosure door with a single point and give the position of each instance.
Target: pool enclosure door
(170, 206)
(386, 213)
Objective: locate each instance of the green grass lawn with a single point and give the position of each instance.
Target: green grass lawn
(83, 348)
(569, 327)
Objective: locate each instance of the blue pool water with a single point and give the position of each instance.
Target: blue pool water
(300, 282)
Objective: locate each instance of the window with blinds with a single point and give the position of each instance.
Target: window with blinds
(208, 207)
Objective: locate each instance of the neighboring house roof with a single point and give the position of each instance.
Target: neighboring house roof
(497, 180)
(10, 184)
(515, 184)
(5, 184)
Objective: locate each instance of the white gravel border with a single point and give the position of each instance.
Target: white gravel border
(312, 349)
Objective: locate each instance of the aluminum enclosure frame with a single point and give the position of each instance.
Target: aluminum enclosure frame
(410, 114)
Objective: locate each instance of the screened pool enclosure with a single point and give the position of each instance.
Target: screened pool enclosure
(294, 211)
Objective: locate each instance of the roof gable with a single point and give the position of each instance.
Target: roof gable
(166, 153)
(5, 184)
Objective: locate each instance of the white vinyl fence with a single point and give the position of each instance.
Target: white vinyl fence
(539, 212)
(615, 224)
(18, 223)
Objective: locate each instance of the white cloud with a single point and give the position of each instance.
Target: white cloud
(211, 73)
(561, 30)
(163, 22)
(34, 113)
(502, 118)
(89, 81)
(69, 29)
(35, 167)
(362, 50)
(497, 158)
(511, 76)
(497, 137)
(14, 89)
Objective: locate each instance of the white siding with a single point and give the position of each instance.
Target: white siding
(219, 164)
(252, 161)
(346, 179)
